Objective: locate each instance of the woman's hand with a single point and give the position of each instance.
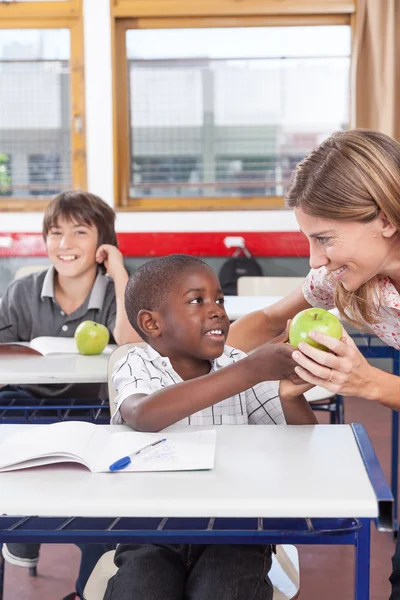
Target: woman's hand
(112, 259)
(344, 369)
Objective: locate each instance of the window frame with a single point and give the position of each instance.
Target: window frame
(39, 9)
(53, 15)
(173, 14)
(220, 8)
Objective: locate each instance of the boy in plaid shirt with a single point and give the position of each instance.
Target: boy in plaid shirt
(187, 375)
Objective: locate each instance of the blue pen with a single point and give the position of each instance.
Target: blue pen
(122, 463)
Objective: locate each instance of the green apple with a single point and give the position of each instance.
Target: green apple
(314, 319)
(91, 337)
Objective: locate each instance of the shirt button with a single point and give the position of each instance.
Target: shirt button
(64, 327)
(62, 312)
(164, 364)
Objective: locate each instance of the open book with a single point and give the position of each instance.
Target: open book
(97, 447)
(47, 345)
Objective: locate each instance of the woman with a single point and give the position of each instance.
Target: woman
(346, 198)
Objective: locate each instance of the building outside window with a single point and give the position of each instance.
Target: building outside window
(5, 174)
(230, 111)
(45, 174)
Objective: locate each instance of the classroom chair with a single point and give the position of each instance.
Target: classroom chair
(268, 286)
(318, 397)
(284, 574)
(28, 269)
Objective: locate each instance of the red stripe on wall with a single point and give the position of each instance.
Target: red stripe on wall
(266, 243)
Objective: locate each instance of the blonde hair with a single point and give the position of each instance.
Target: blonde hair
(351, 176)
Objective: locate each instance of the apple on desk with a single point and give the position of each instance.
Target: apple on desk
(91, 337)
(314, 319)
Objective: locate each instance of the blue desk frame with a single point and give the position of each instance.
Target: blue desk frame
(371, 351)
(200, 531)
(346, 531)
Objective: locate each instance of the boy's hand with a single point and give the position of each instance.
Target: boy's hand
(291, 391)
(285, 351)
(272, 362)
(112, 259)
(282, 337)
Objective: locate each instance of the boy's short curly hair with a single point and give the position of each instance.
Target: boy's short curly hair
(153, 281)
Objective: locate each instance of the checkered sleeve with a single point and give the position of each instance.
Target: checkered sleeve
(264, 405)
(132, 377)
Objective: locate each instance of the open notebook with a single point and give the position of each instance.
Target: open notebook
(48, 345)
(97, 447)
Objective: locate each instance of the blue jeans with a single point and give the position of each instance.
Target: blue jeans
(90, 552)
(198, 572)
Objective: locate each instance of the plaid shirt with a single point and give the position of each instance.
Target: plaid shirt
(143, 371)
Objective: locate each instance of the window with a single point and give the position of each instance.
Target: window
(41, 69)
(246, 175)
(5, 174)
(45, 174)
(35, 107)
(220, 116)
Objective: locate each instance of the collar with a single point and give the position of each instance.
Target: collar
(387, 295)
(48, 284)
(224, 360)
(226, 357)
(97, 293)
(161, 362)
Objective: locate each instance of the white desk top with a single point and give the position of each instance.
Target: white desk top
(53, 368)
(261, 471)
(238, 306)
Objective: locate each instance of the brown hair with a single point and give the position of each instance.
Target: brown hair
(351, 176)
(80, 206)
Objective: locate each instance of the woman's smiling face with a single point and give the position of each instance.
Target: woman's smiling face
(351, 251)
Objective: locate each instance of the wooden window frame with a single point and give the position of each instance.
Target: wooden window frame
(55, 15)
(171, 14)
(206, 8)
(38, 9)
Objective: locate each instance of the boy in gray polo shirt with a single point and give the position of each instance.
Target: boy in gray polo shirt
(79, 232)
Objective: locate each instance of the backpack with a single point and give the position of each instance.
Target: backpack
(235, 267)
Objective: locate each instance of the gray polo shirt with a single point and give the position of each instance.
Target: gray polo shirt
(29, 309)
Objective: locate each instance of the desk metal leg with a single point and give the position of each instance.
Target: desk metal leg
(362, 551)
(395, 465)
(1, 575)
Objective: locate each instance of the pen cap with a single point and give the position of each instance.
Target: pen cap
(120, 464)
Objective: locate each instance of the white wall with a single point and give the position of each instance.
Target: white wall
(98, 88)
(274, 220)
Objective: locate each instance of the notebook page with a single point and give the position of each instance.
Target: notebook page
(54, 345)
(183, 451)
(60, 345)
(58, 439)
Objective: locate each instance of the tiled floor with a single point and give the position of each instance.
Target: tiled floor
(326, 572)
